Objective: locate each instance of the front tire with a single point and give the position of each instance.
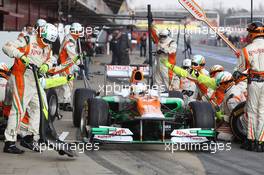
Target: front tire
(80, 96)
(203, 115)
(98, 112)
(94, 114)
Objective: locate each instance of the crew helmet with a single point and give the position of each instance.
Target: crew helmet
(186, 63)
(216, 69)
(40, 23)
(223, 78)
(49, 33)
(77, 30)
(256, 29)
(198, 61)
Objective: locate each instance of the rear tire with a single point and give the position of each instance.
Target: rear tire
(203, 115)
(80, 96)
(235, 122)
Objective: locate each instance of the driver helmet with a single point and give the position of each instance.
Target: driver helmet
(139, 88)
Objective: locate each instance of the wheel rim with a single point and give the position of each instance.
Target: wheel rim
(84, 121)
(53, 105)
(83, 125)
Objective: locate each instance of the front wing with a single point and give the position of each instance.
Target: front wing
(108, 134)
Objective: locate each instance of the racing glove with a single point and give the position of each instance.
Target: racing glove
(176, 69)
(167, 63)
(70, 77)
(84, 54)
(238, 54)
(77, 58)
(43, 68)
(25, 60)
(74, 60)
(160, 51)
(194, 73)
(219, 115)
(237, 75)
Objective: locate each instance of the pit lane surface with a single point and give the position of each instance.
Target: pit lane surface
(134, 159)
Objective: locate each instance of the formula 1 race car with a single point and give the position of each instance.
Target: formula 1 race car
(140, 114)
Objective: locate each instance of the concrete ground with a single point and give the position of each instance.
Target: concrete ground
(135, 159)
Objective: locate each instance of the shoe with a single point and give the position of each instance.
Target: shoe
(262, 146)
(245, 144)
(59, 116)
(10, 147)
(29, 143)
(248, 145)
(259, 147)
(61, 105)
(252, 146)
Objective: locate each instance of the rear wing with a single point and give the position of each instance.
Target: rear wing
(123, 72)
(118, 71)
